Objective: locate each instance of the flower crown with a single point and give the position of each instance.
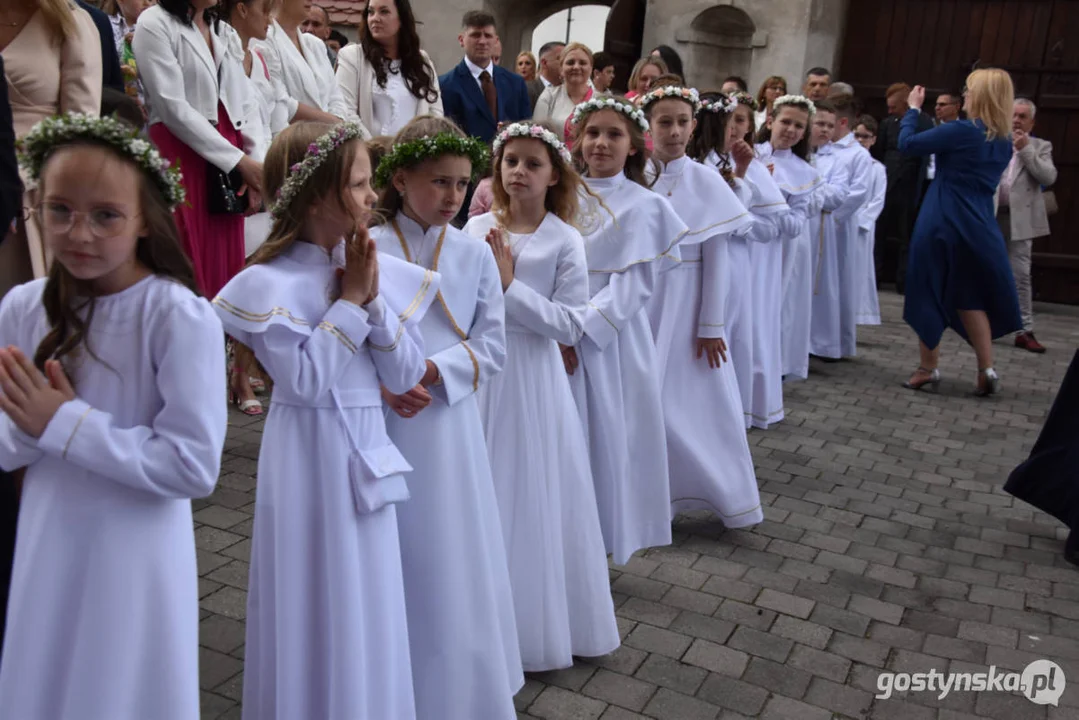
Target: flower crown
(689, 95)
(535, 132)
(316, 154)
(610, 103)
(797, 101)
(413, 153)
(744, 98)
(65, 129)
(722, 104)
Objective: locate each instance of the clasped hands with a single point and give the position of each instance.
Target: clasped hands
(29, 398)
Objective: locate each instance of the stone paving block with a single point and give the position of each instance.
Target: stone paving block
(725, 692)
(770, 579)
(785, 603)
(648, 612)
(800, 631)
(220, 633)
(1002, 706)
(669, 705)
(614, 712)
(700, 626)
(856, 583)
(806, 571)
(784, 708)
(822, 541)
(761, 644)
(212, 705)
(822, 593)
(845, 621)
(527, 694)
(874, 555)
(733, 589)
(723, 568)
(619, 690)
(747, 615)
(716, 658)
(957, 649)
(898, 637)
(962, 610)
(1054, 606)
(859, 649)
(692, 600)
(817, 662)
(555, 703)
(988, 634)
(215, 667)
(997, 597)
(782, 679)
(657, 640)
(227, 601)
(672, 674)
(899, 710)
(639, 587)
(891, 575)
(239, 551)
(839, 698)
(679, 575)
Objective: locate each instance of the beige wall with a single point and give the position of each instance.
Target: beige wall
(788, 36)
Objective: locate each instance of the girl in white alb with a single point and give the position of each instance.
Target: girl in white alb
(708, 454)
(112, 388)
(754, 304)
(330, 321)
(630, 234)
(465, 658)
(539, 455)
(784, 148)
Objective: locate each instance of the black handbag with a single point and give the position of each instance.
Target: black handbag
(222, 188)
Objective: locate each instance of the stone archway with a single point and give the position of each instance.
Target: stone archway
(719, 42)
(519, 19)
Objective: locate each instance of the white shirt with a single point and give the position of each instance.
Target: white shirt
(476, 71)
(395, 105)
(546, 83)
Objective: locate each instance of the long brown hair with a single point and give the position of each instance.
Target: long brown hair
(417, 74)
(636, 163)
(331, 177)
(563, 200)
(770, 82)
(390, 201)
(66, 298)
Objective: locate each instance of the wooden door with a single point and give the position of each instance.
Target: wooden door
(623, 38)
(936, 43)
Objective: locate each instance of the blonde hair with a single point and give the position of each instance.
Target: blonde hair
(574, 46)
(531, 57)
(563, 199)
(992, 99)
(655, 62)
(59, 17)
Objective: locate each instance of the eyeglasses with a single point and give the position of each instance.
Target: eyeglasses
(60, 219)
(862, 136)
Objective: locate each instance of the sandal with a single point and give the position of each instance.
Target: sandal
(991, 384)
(930, 379)
(251, 407)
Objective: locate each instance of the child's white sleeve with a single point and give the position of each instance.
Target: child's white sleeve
(557, 318)
(179, 454)
(17, 449)
(711, 316)
(615, 305)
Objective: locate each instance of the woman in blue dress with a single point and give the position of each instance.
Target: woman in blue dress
(959, 274)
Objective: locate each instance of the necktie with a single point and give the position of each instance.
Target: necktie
(490, 94)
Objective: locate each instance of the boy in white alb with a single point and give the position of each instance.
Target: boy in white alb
(865, 273)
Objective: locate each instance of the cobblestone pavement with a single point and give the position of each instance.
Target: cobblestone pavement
(888, 544)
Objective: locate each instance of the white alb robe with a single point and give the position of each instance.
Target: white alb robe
(758, 318)
(846, 168)
(465, 658)
(539, 455)
(865, 273)
(798, 181)
(326, 628)
(629, 239)
(103, 618)
(708, 455)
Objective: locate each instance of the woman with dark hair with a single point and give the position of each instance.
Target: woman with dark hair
(671, 59)
(386, 78)
(775, 86)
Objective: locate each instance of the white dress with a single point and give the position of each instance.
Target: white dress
(865, 264)
(326, 628)
(103, 619)
(846, 168)
(754, 314)
(539, 456)
(394, 105)
(708, 454)
(617, 386)
(465, 659)
(798, 181)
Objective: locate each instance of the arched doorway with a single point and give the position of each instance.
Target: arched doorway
(719, 42)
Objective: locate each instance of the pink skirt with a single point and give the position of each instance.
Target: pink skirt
(214, 243)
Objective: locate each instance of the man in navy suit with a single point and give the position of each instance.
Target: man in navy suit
(477, 94)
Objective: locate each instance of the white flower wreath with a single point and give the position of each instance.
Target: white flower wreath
(689, 95)
(535, 132)
(316, 154)
(796, 101)
(53, 132)
(610, 103)
(722, 104)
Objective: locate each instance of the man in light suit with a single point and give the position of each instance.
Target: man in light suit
(549, 73)
(1021, 208)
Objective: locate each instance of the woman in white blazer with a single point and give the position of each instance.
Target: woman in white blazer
(386, 78)
(299, 64)
(200, 115)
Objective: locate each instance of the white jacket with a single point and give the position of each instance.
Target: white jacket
(306, 78)
(357, 80)
(184, 81)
